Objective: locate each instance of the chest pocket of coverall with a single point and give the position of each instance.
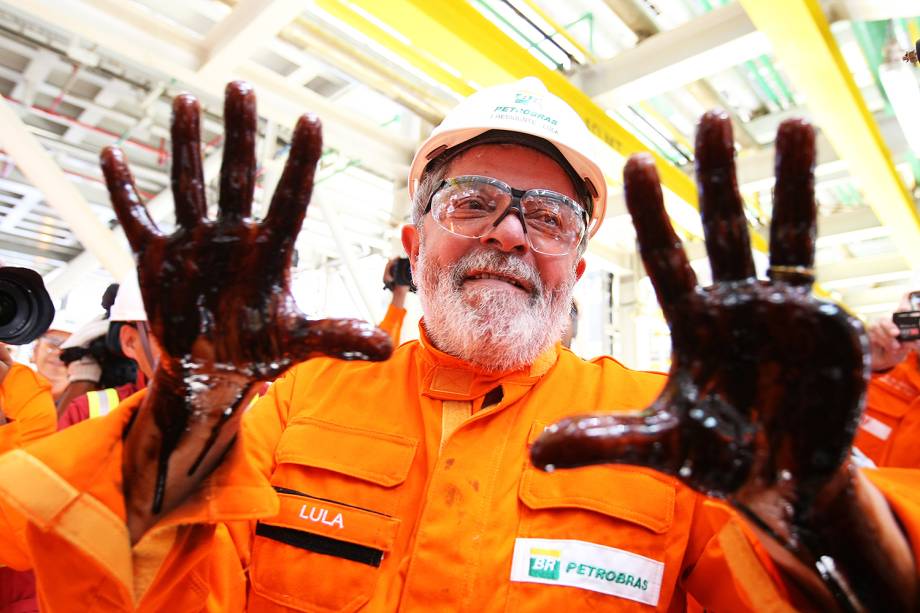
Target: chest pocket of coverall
(624, 508)
(340, 500)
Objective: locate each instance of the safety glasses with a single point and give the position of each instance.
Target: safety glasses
(472, 205)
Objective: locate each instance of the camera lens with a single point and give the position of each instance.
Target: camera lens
(7, 309)
(26, 310)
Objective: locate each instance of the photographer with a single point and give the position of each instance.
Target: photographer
(26, 312)
(26, 405)
(397, 277)
(46, 356)
(94, 361)
(128, 338)
(889, 432)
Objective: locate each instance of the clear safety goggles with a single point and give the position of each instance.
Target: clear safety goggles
(472, 206)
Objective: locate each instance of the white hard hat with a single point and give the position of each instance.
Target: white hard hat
(93, 329)
(128, 305)
(525, 107)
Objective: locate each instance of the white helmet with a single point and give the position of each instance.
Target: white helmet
(128, 305)
(525, 107)
(91, 330)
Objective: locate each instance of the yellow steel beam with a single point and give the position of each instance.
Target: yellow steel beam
(477, 48)
(460, 37)
(803, 43)
(345, 12)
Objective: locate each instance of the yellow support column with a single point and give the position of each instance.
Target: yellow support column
(803, 43)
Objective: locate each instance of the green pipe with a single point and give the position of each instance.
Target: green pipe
(871, 37)
(914, 166)
(754, 74)
(777, 79)
(590, 17)
(514, 29)
(751, 73)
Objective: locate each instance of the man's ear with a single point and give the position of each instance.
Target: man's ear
(127, 337)
(411, 242)
(580, 268)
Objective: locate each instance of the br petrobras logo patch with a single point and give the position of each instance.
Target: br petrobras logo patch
(544, 563)
(524, 98)
(587, 566)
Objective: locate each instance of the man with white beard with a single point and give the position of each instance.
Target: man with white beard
(405, 484)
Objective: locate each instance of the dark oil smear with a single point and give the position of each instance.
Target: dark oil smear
(766, 383)
(216, 291)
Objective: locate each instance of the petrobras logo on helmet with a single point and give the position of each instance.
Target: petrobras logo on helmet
(588, 566)
(527, 108)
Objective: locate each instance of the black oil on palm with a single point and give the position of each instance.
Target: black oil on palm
(216, 291)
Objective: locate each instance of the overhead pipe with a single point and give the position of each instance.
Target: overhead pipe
(35, 163)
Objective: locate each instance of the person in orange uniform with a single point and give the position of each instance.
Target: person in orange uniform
(889, 433)
(26, 414)
(46, 355)
(401, 484)
(392, 322)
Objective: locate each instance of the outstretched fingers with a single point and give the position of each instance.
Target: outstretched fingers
(724, 224)
(238, 171)
(187, 174)
(132, 214)
(289, 203)
(792, 231)
(661, 250)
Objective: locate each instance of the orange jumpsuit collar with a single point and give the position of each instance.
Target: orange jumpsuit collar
(446, 377)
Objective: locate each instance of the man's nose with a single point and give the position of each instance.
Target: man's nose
(508, 236)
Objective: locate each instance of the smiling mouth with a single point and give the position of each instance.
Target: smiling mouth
(518, 283)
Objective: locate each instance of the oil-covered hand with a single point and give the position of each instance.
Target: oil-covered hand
(766, 383)
(216, 290)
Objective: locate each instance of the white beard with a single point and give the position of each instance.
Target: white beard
(492, 328)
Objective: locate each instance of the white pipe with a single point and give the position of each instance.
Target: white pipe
(338, 235)
(41, 170)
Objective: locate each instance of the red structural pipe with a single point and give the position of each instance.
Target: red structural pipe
(82, 124)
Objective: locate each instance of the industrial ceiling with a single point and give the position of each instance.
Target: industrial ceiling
(77, 75)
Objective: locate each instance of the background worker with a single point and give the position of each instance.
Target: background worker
(90, 361)
(889, 432)
(46, 355)
(405, 482)
(398, 280)
(127, 337)
(26, 414)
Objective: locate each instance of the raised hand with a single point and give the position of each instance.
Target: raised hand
(766, 383)
(216, 291)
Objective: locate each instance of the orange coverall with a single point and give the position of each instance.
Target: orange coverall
(400, 485)
(25, 399)
(889, 433)
(392, 323)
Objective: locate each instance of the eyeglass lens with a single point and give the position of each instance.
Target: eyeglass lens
(470, 206)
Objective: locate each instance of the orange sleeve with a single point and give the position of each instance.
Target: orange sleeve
(728, 568)
(392, 323)
(25, 399)
(901, 487)
(261, 431)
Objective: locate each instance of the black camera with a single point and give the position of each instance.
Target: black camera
(26, 309)
(401, 273)
(908, 322)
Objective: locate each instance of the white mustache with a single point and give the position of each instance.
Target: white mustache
(494, 262)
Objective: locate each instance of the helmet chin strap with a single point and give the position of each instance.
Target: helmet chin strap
(144, 334)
